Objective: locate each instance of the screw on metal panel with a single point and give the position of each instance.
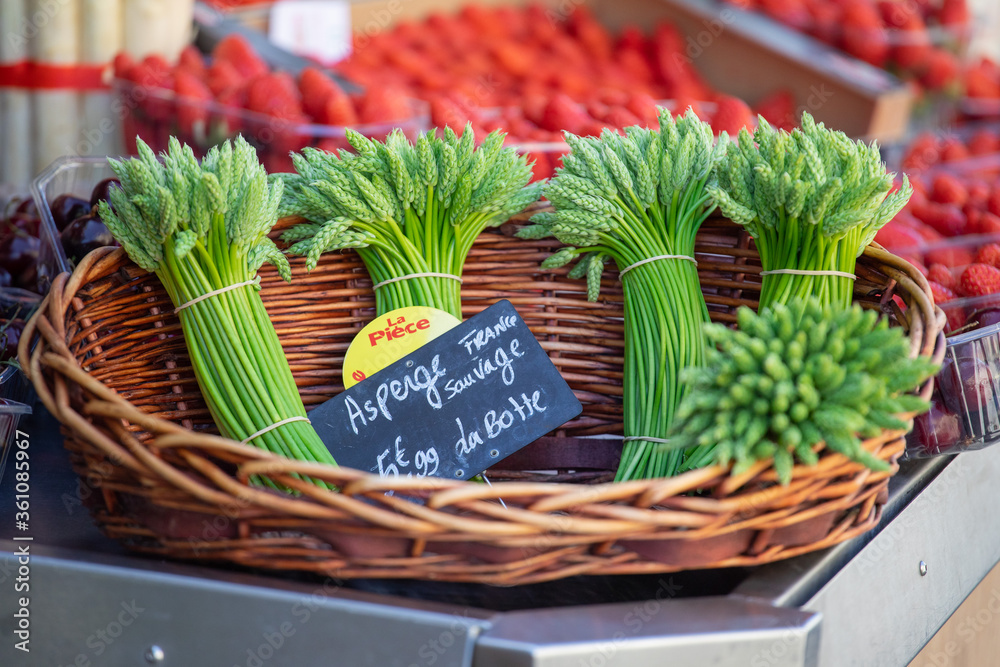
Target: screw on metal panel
(923, 569)
(154, 654)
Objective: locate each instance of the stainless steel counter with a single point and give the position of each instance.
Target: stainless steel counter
(873, 601)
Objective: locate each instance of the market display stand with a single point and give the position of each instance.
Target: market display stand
(871, 601)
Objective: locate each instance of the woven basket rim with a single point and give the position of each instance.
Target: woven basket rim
(643, 499)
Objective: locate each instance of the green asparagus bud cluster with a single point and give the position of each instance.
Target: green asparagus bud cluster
(792, 377)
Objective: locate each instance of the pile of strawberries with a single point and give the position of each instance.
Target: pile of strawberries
(967, 288)
(955, 202)
(534, 74)
(522, 70)
(205, 101)
(956, 191)
(916, 39)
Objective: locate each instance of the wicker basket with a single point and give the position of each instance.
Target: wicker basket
(112, 367)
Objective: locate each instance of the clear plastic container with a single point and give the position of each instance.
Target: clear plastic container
(10, 416)
(965, 405)
(14, 386)
(75, 176)
(156, 114)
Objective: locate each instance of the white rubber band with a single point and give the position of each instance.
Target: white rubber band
(647, 439)
(417, 275)
(653, 259)
(255, 281)
(264, 430)
(804, 272)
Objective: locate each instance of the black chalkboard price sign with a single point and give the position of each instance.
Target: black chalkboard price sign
(453, 407)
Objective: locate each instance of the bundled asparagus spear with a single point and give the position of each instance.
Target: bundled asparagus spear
(812, 199)
(639, 201)
(411, 211)
(202, 229)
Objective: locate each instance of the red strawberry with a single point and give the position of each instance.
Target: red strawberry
(223, 76)
(792, 13)
(193, 97)
(542, 168)
(942, 275)
(913, 51)
(940, 293)
(731, 115)
(590, 33)
(825, 21)
(562, 113)
(950, 257)
(898, 14)
(778, 109)
(926, 232)
(979, 280)
(153, 73)
(635, 63)
(942, 70)
(236, 50)
(923, 152)
(945, 218)
(644, 107)
(449, 112)
(953, 149)
(979, 192)
(631, 38)
(340, 112)
(987, 223)
(275, 95)
(989, 254)
(993, 202)
(982, 81)
(915, 261)
(863, 33)
(192, 61)
(954, 13)
(895, 236)
(973, 218)
(123, 66)
(620, 118)
(316, 88)
(383, 104)
(947, 189)
(984, 142)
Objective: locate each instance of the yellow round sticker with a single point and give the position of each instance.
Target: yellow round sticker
(391, 337)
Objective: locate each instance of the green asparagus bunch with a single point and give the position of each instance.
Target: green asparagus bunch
(792, 377)
(812, 199)
(639, 200)
(408, 209)
(202, 229)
